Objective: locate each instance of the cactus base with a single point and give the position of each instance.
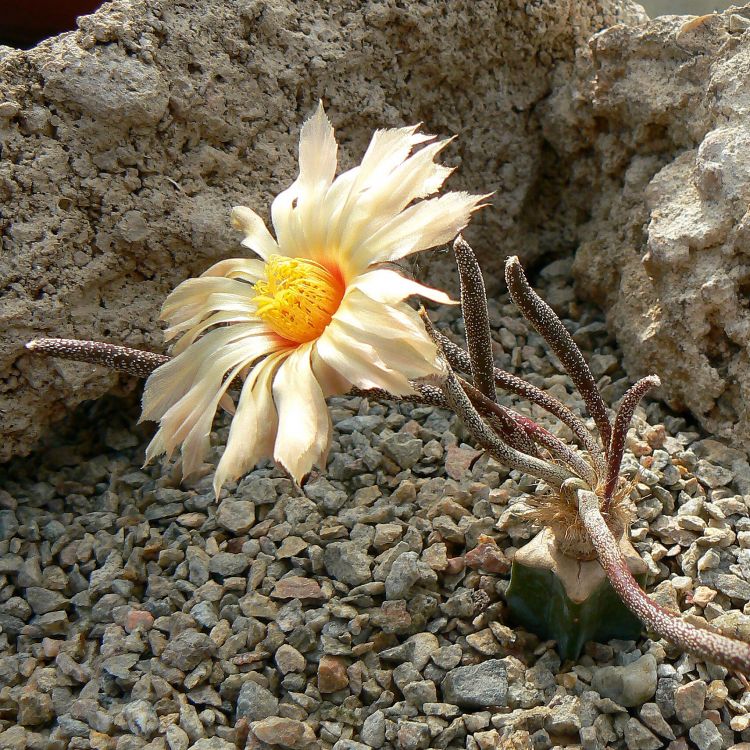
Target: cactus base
(568, 600)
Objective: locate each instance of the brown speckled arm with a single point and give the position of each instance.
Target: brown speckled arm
(551, 329)
(705, 644)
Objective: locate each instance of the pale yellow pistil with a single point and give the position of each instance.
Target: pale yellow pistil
(298, 297)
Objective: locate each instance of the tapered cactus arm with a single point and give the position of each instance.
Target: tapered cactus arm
(142, 363)
(461, 405)
(503, 419)
(423, 394)
(476, 318)
(620, 432)
(551, 329)
(122, 358)
(705, 644)
(562, 452)
(459, 360)
(532, 433)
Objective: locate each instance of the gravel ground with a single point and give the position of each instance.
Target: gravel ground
(138, 613)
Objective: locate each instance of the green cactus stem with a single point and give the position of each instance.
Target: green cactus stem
(561, 598)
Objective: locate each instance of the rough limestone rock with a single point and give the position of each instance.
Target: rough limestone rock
(667, 249)
(126, 143)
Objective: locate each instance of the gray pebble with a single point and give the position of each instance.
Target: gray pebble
(187, 650)
(141, 718)
(43, 600)
(689, 701)
(629, 685)
(288, 659)
(35, 709)
(651, 716)
(346, 562)
(403, 448)
(406, 572)
(8, 524)
(177, 738)
(228, 564)
(417, 649)
(638, 737)
(204, 613)
(477, 686)
(256, 702)
(706, 736)
(373, 729)
(214, 743)
(237, 516)
(70, 727)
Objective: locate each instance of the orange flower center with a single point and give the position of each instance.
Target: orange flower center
(298, 297)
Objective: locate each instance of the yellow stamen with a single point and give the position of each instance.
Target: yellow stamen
(298, 297)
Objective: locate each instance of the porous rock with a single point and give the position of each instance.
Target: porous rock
(664, 251)
(127, 142)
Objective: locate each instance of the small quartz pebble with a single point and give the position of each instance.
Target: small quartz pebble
(288, 659)
(297, 587)
(332, 675)
(137, 618)
(689, 702)
(287, 733)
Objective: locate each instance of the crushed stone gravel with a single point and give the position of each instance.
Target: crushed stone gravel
(364, 611)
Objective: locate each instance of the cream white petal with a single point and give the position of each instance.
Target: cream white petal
(331, 381)
(418, 177)
(286, 224)
(395, 320)
(384, 285)
(395, 332)
(188, 421)
(223, 317)
(249, 270)
(357, 361)
(387, 149)
(424, 225)
(296, 213)
(253, 430)
(257, 237)
(168, 383)
(242, 308)
(317, 152)
(304, 432)
(194, 432)
(191, 295)
(171, 382)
